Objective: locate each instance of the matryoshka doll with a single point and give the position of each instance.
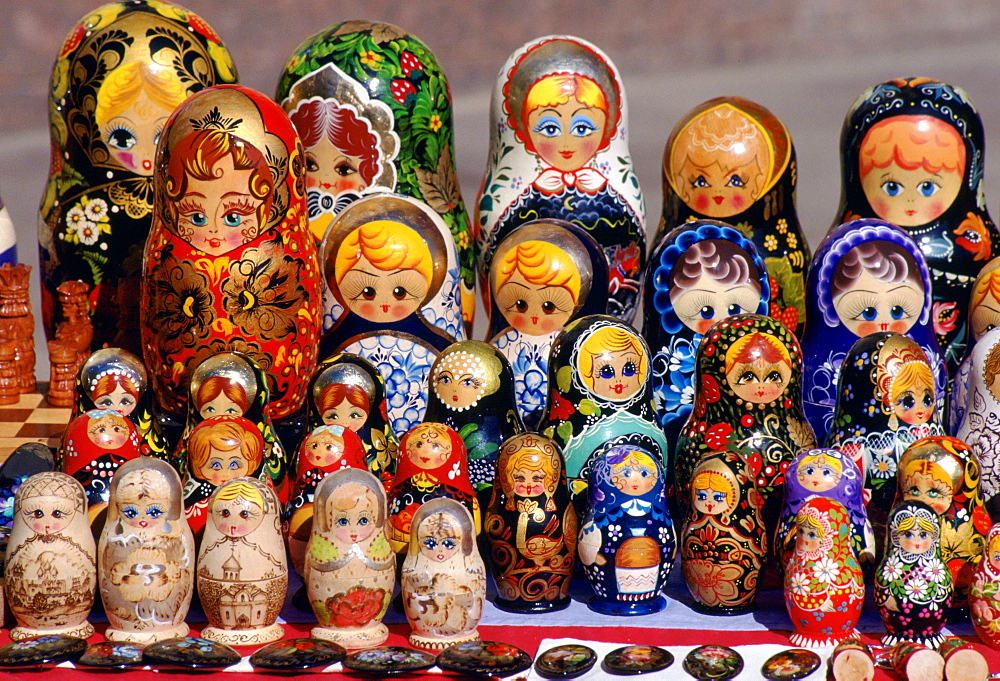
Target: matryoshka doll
(8, 237)
(824, 589)
(391, 264)
(541, 278)
(50, 569)
(146, 555)
(627, 541)
(472, 392)
(373, 108)
(350, 567)
(120, 73)
(348, 390)
(242, 571)
(913, 586)
(867, 276)
(531, 526)
(229, 263)
(443, 579)
(699, 273)
(911, 153)
(980, 426)
(984, 592)
(432, 464)
(723, 542)
(731, 159)
(984, 314)
(559, 149)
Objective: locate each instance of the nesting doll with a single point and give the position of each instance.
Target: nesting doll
(325, 450)
(242, 571)
(984, 593)
(472, 392)
(229, 263)
(146, 554)
(391, 264)
(866, 276)
(373, 108)
(50, 569)
(113, 378)
(699, 273)
(912, 584)
(120, 73)
(912, 153)
(541, 278)
(350, 567)
(824, 588)
(531, 526)
(432, 464)
(731, 159)
(942, 472)
(559, 149)
(887, 401)
(980, 426)
(831, 474)
(599, 397)
(443, 579)
(984, 314)
(724, 542)
(748, 377)
(627, 540)
(25, 461)
(8, 237)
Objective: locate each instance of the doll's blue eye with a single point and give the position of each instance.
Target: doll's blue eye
(869, 314)
(549, 127)
(707, 312)
(892, 188)
(733, 309)
(232, 219)
(897, 312)
(130, 511)
(233, 465)
(154, 511)
(448, 543)
(927, 188)
(700, 182)
(430, 543)
(908, 402)
(719, 497)
(343, 522)
(122, 138)
(736, 181)
(581, 126)
(198, 219)
(607, 371)
(629, 369)
(701, 495)
(927, 400)
(363, 521)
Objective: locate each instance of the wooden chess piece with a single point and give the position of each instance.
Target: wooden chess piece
(10, 390)
(17, 323)
(62, 373)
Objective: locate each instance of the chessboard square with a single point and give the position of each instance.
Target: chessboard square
(42, 430)
(9, 428)
(53, 415)
(15, 415)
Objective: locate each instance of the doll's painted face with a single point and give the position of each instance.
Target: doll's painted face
(220, 405)
(132, 135)
(110, 431)
(984, 317)
(383, 295)
(534, 309)
(929, 489)
(915, 539)
(566, 135)
(711, 494)
(323, 448)
(708, 301)
(47, 514)
(910, 197)
(119, 399)
(616, 374)
(818, 474)
(807, 538)
(458, 380)
(224, 465)
(429, 449)
(724, 187)
(760, 382)
(528, 482)
(330, 169)
(220, 214)
(237, 517)
(345, 414)
(142, 512)
(357, 523)
(869, 305)
(993, 553)
(915, 405)
(632, 478)
(439, 537)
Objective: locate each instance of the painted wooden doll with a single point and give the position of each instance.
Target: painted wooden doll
(27, 460)
(120, 73)
(350, 567)
(559, 149)
(980, 427)
(531, 526)
(699, 273)
(348, 390)
(912, 584)
(824, 589)
(600, 396)
(731, 159)
(887, 401)
(146, 555)
(540, 279)
(391, 264)
(831, 474)
(627, 541)
(373, 108)
(443, 579)
(242, 571)
(909, 158)
(942, 472)
(984, 593)
(984, 314)
(432, 464)
(113, 378)
(866, 276)
(472, 392)
(50, 569)
(229, 263)
(724, 542)
(8, 237)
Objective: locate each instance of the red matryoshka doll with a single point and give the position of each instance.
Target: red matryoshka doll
(531, 526)
(724, 542)
(373, 108)
(541, 278)
(984, 314)
(731, 159)
(911, 153)
(980, 426)
(559, 149)
(120, 73)
(824, 588)
(432, 463)
(984, 593)
(391, 264)
(229, 263)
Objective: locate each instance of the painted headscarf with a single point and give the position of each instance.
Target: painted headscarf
(984, 314)
(980, 428)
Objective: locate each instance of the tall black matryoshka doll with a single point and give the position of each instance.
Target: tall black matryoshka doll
(867, 276)
(373, 108)
(699, 273)
(541, 278)
(120, 73)
(911, 153)
(732, 159)
(559, 149)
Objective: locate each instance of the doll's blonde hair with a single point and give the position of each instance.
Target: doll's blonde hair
(388, 245)
(714, 481)
(822, 458)
(710, 136)
(918, 522)
(122, 87)
(541, 264)
(609, 339)
(238, 489)
(559, 88)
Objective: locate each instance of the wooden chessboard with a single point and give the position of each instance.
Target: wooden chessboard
(32, 419)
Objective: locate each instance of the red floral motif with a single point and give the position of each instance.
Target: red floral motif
(716, 436)
(203, 29)
(356, 608)
(981, 520)
(409, 63)
(560, 408)
(72, 40)
(402, 90)
(710, 388)
(944, 316)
